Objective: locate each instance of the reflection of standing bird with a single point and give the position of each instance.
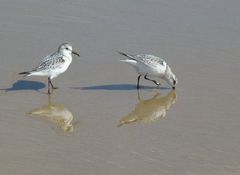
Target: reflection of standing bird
(150, 110)
(55, 113)
(151, 66)
(54, 64)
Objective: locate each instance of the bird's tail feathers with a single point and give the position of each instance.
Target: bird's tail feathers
(24, 73)
(129, 61)
(126, 55)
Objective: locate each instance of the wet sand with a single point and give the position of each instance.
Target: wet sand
(192, 131)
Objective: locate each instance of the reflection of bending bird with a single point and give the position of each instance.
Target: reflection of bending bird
(57, 114)
(150, 110)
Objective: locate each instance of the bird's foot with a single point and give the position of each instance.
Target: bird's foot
(156, 82)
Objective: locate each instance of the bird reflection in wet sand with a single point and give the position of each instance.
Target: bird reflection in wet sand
(150, 110)
(57, 114)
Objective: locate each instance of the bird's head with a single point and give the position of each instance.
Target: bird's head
(170, 77)
(66, 48)
(173, 81)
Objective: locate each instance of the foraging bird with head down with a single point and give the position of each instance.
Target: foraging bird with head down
(53, 65)
(151, 66)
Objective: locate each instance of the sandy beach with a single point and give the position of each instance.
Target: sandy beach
(97, 123)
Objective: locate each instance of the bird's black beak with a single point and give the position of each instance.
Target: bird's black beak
(174, 82)
(75, 53)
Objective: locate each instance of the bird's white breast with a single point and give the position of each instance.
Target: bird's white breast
(61, 69)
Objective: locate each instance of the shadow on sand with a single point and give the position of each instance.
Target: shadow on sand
(25, 85)
(118, 87)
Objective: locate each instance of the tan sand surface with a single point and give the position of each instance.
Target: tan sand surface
(193, 131)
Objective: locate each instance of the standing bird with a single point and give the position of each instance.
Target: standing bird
(151, 66)
(54, 64)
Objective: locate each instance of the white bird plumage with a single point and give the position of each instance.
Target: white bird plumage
(53, 65)
(151, 66)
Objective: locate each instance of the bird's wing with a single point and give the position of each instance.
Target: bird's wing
(150, 59)
(50, 62)
(51, 56)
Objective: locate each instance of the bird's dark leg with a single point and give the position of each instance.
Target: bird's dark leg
(49, 86)
(154, 81)
(52, 84)
(138, 79)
